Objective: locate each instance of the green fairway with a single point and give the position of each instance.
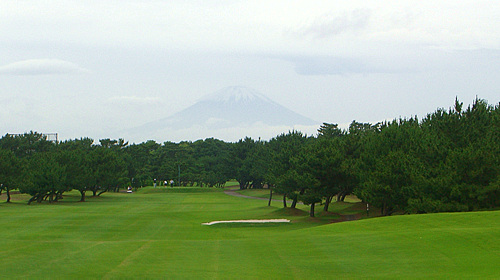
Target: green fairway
(157, 233)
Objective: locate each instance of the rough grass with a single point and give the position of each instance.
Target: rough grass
(157, 234)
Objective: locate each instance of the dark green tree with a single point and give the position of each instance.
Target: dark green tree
(11, 171)
(46, 178)
(284, 170)
(76, 156)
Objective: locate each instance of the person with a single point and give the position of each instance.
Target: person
(171, 183)
(154, 181)
(165, 183)
(129, 189)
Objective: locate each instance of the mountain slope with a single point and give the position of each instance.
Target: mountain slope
(229, 108)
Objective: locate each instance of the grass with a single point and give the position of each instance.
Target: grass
(157, 233)
(261, 193)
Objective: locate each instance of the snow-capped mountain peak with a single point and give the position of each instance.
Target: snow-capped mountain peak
(235, 94)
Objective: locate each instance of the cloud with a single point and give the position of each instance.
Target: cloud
(330, 25)
(42, 67)
(416, 60)
(338, 65)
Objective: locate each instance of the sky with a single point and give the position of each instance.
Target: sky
(93, 68)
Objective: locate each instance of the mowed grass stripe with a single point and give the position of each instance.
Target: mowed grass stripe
(157, 234)
(418, 246)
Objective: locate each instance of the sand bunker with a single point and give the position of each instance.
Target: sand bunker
(248, 221)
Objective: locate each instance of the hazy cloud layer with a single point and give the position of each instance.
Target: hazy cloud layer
(42, 67)
(134, 100)
(232, 134)
(325, 65)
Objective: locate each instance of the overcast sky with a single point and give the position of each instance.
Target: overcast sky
(91, 68)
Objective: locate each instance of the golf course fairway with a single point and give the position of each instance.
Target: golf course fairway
(158, 234)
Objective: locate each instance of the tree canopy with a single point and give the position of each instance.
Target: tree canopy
(447, 161)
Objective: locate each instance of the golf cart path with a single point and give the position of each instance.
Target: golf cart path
(232, 191)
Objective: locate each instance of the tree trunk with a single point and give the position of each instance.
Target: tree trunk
(58, 195)
(82, 198)
(387, 210)
(284, 200)
(101, 192)
(311, 211)
(296, 198)
(33, 198)
(270, 196)
(8, 194)
(327, 203)
(343, 194)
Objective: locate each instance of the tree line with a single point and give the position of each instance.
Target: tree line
(45, 169)
(447, 161)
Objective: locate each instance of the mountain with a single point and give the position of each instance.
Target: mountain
(233, 108)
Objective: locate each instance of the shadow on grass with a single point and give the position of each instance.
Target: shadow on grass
(72, 197)
(291, 212)
(150, 190)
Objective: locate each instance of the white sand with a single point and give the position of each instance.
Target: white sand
(248, 221)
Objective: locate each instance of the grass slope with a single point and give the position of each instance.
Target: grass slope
(157, 233)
